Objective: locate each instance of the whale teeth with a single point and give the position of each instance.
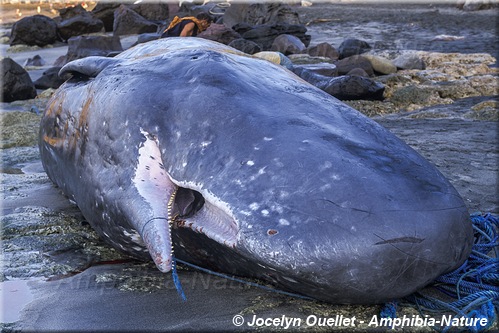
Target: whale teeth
(170, 216)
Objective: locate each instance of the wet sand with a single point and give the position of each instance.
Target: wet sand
(69, 280)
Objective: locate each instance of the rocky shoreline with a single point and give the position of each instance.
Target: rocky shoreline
(398, 78)
(447, 111)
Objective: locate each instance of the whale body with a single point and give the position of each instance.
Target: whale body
(237, 165)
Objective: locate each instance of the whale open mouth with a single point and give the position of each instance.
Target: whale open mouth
(189, 209)
(187, 203)
(174, 204)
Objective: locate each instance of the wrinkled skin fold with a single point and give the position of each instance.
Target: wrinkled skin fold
(266, 175)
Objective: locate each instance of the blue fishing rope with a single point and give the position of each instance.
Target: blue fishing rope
(176, 280)
(229, 277)
(473, 288)
(389, 310)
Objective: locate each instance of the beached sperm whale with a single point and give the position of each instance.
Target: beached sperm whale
(240, 166)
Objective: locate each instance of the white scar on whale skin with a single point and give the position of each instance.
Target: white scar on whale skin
(151, 179)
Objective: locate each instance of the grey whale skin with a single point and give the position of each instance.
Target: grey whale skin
(275, 179)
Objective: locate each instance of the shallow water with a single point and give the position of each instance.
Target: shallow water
(16, 295)
(391, 27)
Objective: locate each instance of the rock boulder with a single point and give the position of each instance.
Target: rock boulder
(34, 30)
(78, 21)
(16, 83)
(129, 22)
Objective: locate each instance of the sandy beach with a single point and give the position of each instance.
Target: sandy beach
(59, 276)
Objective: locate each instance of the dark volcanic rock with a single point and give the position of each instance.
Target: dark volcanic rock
(358, 72)
(242, 28)
(85, 46)
(347, 64)
(49, 79)
(70, 12)
(343, 87)
(245, 46)
(16, 83)
(262, 23)
(194, 8)
(34, 30)
(36, 61)
(260, 13)
(288, 44)
(324, 68)
(104, 11)
(298, 30)
(220, 33)
(128, 22)
(264, 35)
(153, 11)
(354, 87)
(77, 21)
(352, 46)
(325, 50)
